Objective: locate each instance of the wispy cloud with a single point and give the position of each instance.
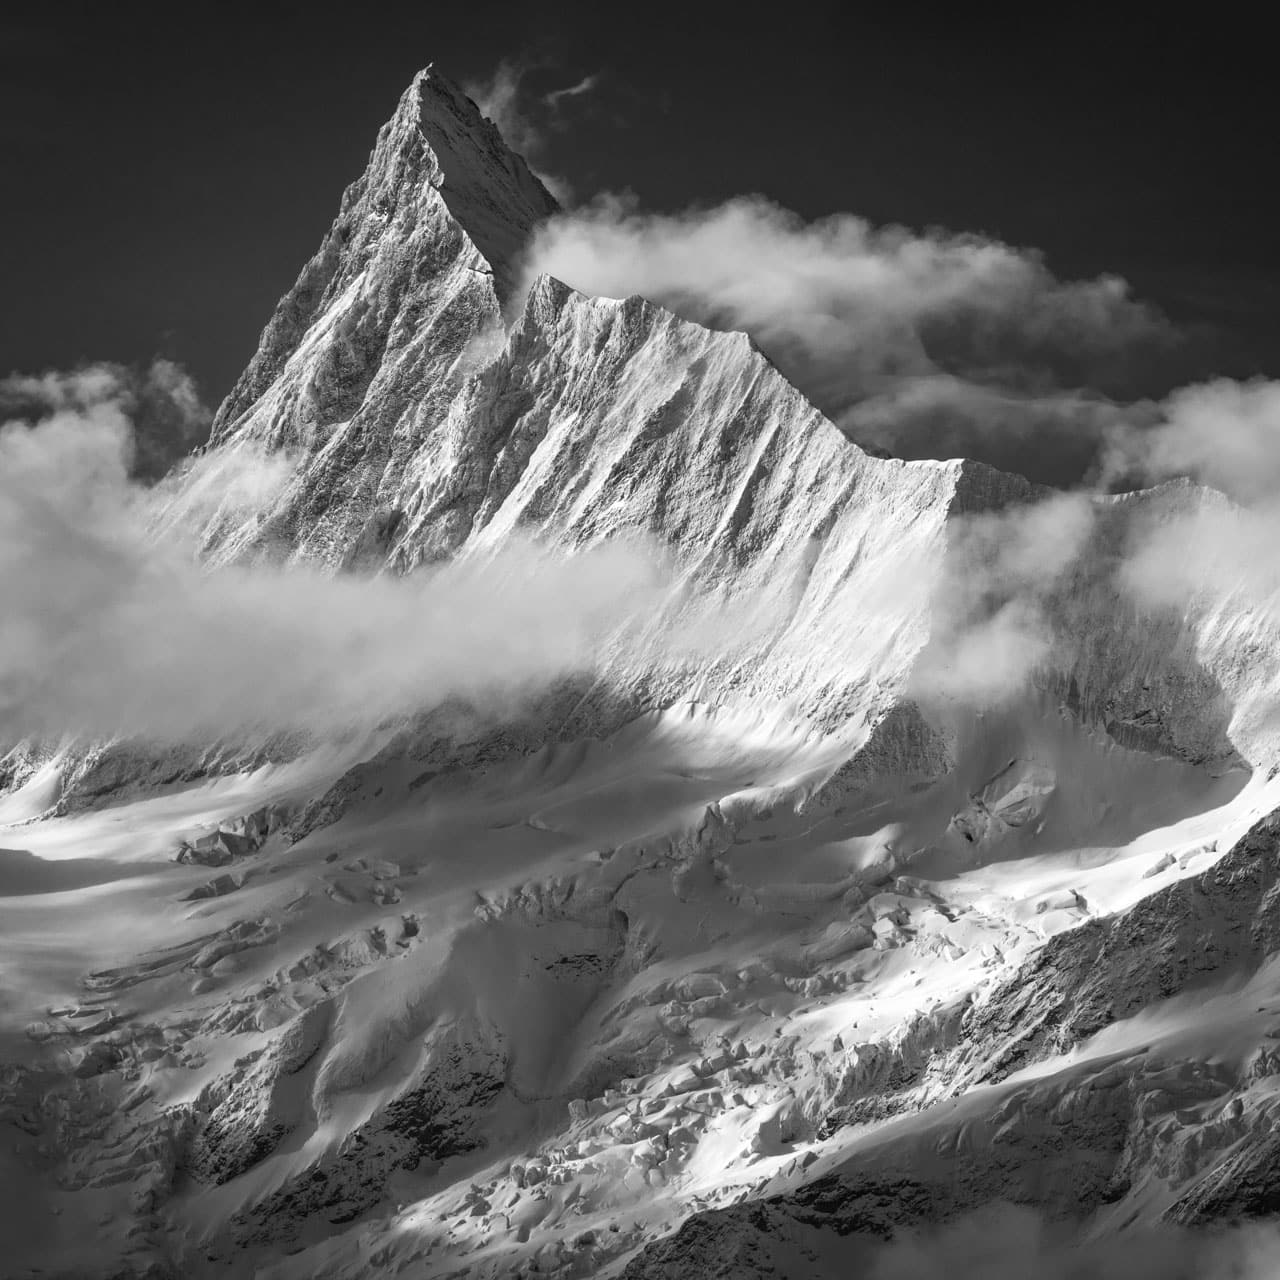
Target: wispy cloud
(1223, 433)
(991, 626)
(499, 96)
(526, 118)
(157, 411)
(1017, 592)
(108, 628)
(586, 85)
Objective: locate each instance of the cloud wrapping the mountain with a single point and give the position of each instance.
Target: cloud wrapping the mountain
(1222, 433)
(1001, 599)
(990, 627)
(1210, 554)
(908, 339)
(109, 629)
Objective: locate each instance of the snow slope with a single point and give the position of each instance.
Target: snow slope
(748, 945)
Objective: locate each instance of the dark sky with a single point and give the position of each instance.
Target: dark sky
(170, 170)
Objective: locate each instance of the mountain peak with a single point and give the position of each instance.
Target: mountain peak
(434, 227)
(489, 189)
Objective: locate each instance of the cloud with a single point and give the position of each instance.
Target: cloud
(527, 119)
(1223, 433)
(1019, 588)
(231, 484)
(499, 97)
(586, 85)
(1016, 584)
(109, 629)
(1199, 552)
(991, 627)
(863, 318)
(1047, 436)
(158, 408)
(1209, 555)
(1011, 1243)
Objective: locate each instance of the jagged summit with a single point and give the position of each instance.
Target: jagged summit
(424, 247)
(489, 188)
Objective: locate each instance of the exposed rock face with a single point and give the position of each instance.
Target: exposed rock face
(1226, 919)
(434, 1119)
(1197, 1136)
(255, 1107)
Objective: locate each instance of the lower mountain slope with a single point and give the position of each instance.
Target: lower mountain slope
(540, 1011)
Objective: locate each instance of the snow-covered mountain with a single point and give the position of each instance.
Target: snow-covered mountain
(756, 944)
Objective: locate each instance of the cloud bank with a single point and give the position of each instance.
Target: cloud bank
(1015, 584)
(1225, 434)
(991, 621)
(108, 629)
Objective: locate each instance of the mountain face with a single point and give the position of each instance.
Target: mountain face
(422, 430)
(736, 958)
(369, 348)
